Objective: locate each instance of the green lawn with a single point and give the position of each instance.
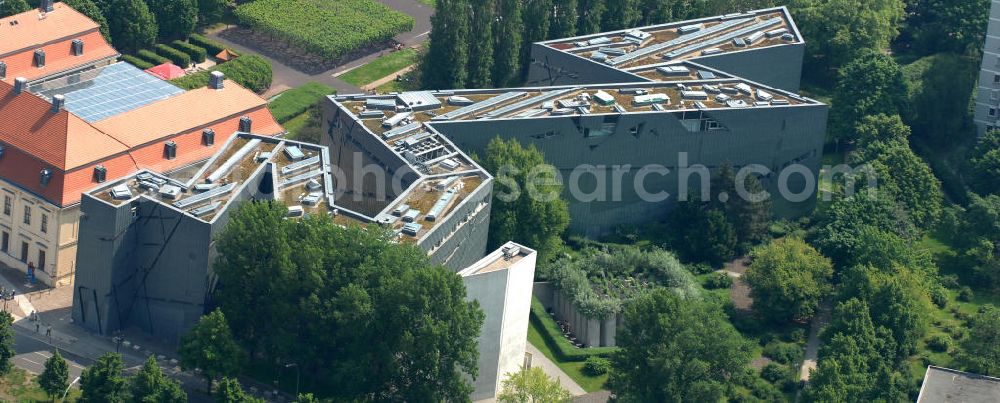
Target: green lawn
(572, 368)
(294, 102)
(20, 386)
(380, 67)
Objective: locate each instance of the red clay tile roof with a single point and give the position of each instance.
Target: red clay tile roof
(54, 34)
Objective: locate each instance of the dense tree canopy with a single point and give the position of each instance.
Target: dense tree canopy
(230, 391)
(837, 31)
(212, 11)
(985, 163)
(871, 84)
(92, 11)
(976, 235)
(787, 279)
(337, 295)
(104, 382)
(7, 351)
(940, 90)
(838, 232)
(11, 7)
(446, 63)
(175, 18)
(132, 25)
(945, 25)
(981, 346)
(675, 349)
(527, 207)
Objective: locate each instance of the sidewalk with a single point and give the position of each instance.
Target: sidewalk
(540, 360)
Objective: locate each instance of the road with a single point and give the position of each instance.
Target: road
(33, 350)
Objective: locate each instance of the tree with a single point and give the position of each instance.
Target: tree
(980, 351)
(338, 295)
(149, 385)
(876, 133)
(871, 84)
(985, 163)
(55, 377)
(507, 43)
(212, 11)
(7, 351)
(92, 11)
(620, 15)
(230, 391)
(537, 24)
(590, 13)
(787, 279)
(977, 237)
(836, 31)
(11, 7)
(907, 179)
(750, 218)
(176, 18)
(529, 210)
(209, 346)
(703, 234)
(671, 348)
(531, 385)
(563, 19)
(103, 381)
(940, 90)
(132, 25)
(481, 48)
(445, 65)
(898, 302)
(838, 231)
(945, 26)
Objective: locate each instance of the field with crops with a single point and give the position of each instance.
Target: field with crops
(329, 29)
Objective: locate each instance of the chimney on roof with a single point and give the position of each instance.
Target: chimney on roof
(216, 80)
(47, 6)
(245, 124)
(58, 101)
(20, 84)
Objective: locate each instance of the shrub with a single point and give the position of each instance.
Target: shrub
(939, 343)
(210, 46)
(328, 29)
(137, 62)
(797, 336)
(250, 71)
(151, 57)
(177, 57)
(965, 294)
(773, 372)
(197, 53)
(785, 353)
(949, 281)
(297, 101)
(939, 296)
(718, 280)
(596, 366)
(700, 268)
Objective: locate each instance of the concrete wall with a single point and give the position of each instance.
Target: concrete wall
(552, 67)
(776, 66)
(460, 240)
(592, 332)
(772, 137)
(987, 108)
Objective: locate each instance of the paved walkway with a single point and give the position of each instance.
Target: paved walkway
(286, 77)
(540, 360)
(388, 78)
(813, 345)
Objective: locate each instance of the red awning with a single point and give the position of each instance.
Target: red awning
(166, 71)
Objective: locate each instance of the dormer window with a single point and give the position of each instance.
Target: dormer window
(170, 150)
(77, 47)
(3, 70)
(100, 174)
(208, 137)
(46, 177)
(39, 59)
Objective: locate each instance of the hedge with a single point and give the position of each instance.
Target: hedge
(209, 45)
(177, 57)
(137, 62)
(296, 101)
(555, 340)
(197, 53)
(250, 71)
(150, 57)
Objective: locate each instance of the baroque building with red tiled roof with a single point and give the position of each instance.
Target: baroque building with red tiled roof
(72, 117)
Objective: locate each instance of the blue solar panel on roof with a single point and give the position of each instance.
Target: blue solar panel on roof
(99, 94)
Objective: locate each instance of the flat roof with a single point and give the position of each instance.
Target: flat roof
(501, 259)
(949, 385)
(107, 91)
(633, 48)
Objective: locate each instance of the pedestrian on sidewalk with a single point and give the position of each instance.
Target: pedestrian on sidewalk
(37, 327)
(48, 330)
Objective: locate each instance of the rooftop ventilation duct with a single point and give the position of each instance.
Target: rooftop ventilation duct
(46, 176)
(39, 59)
(245, 124)
(47, 6)
(217, 80)
(58, 101)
